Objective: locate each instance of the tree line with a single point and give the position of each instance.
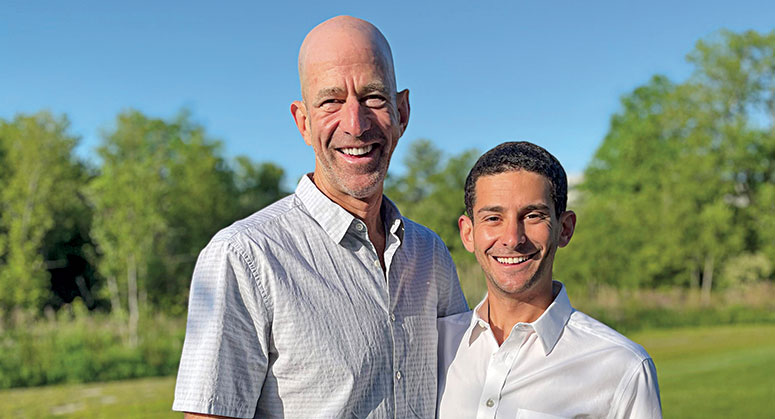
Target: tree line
(681, 192)
(124, 235)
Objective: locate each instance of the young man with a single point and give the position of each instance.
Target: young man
(324, 304)
(524, 351)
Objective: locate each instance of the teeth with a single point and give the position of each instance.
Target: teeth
(357, 151)
(512, 261)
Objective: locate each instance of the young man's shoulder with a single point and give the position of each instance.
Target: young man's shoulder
(603, 337)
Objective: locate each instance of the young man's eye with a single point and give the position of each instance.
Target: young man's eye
(535, 216)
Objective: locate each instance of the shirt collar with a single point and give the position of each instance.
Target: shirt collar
(335, 220)
(548, 326)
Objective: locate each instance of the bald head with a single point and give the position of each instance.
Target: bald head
(344, 38)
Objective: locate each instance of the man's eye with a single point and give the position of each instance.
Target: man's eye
(374, 101)
(330, 105)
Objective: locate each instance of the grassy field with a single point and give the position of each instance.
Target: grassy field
(143, 398)
(723, 372)
(718, 372)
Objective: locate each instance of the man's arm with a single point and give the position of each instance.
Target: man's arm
(639, 396)
(198, 416)
(451, 298)
(225, 353)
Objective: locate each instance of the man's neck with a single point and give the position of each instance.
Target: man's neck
(365, 209)
(502, 311)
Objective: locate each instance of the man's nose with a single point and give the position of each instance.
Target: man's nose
(514, 234)
(355, 120)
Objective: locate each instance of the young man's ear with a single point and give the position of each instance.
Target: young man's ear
(466, 227)
(402, 102)
(567, 227)
(301, 117)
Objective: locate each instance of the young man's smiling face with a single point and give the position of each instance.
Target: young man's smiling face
(514, 232)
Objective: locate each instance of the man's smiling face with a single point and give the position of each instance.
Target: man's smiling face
(514, 231)
(351, 114)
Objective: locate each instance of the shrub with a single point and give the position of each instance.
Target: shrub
(74, 346)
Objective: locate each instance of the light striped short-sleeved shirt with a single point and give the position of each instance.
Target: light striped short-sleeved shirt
(291, 315)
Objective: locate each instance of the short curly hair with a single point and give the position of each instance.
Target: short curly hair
(519, 155)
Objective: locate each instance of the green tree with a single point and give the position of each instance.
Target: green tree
(40, 179)
(257, 185)
(163, 190)
(431, 190)
(682, 182)
(128, 199)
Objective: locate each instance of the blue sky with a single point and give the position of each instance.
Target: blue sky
(479, 73)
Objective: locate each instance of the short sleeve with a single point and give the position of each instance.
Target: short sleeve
(224, 359)
(639, 394)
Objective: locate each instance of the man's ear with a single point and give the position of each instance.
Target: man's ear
(301, 117)
(466, 227)
(567, 227)
(402, 102)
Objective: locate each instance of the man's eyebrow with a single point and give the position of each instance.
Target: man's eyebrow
(537, 207)
(374, 87)
(528, 208)
(329, 92)
(493, 208)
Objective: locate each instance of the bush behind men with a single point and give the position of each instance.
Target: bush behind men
(324, 304)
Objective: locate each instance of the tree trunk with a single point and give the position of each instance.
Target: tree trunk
(694, 280)
(132, 298)
(115, 298)
(707, 279)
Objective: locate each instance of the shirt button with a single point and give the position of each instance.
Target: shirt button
(359, 226)
(398, 375)
(377, 264)
(490, 403)
(392, 317)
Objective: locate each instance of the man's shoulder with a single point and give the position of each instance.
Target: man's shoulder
(606, 338)
(262, 223)
(420, 233)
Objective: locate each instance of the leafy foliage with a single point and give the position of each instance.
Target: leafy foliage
(682, 184)
(39, 180)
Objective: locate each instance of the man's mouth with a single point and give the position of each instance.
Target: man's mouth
(512, 260)
(357, 151)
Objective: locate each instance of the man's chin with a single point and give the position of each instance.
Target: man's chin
(363, 186)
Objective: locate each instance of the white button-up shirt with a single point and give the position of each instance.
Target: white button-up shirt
(291, 315)
(565, 364)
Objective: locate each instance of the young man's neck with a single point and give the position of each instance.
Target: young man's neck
(502, 311)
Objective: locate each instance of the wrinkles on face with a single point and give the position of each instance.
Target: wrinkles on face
(351, 108)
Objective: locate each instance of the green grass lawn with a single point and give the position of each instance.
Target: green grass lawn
(143, 398)
(724, 372)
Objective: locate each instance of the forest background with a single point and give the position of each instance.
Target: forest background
(676, 218)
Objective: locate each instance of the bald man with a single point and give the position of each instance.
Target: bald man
(324, 304)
